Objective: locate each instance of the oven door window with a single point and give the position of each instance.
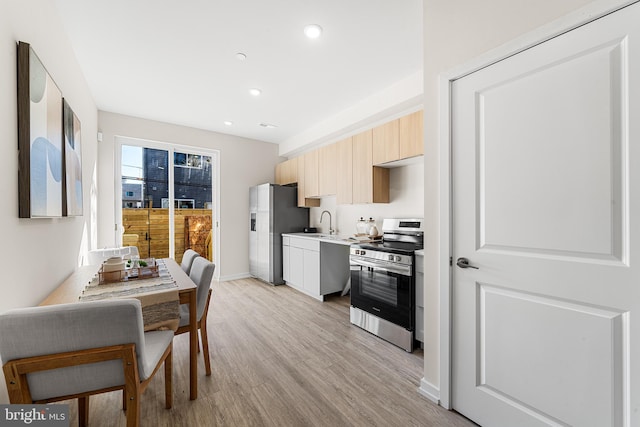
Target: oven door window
(385, 294)
(379, 286)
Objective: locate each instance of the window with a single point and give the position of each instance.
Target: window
(185, 160)
(179, 203)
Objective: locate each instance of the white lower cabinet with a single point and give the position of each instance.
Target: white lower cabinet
(419, 332)
(296, 266)
(311, 266)
(285, 259)
(314, 267)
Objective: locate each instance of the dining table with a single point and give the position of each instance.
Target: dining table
(71, 288)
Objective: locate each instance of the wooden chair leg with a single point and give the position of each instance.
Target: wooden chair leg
(83, 411)
(132, 389)
(133, 409)
(168, 379)
(205, 345)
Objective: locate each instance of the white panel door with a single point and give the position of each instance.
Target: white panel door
(546, 205)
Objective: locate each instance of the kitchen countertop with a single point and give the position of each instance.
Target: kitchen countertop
(323, 237)
(420, 252)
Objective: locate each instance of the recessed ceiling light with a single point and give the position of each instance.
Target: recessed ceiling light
(313, 31)
(255, 91)
(241, 56)
(268, 125)
(228, 123)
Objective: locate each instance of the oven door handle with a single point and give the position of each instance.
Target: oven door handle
(391, 268)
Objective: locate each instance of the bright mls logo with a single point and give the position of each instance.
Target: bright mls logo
(34, 415)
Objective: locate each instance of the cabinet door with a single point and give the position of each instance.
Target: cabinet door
(288, 172)
(370, 184)
(411, 135)
(303, 200)
(344, 173)
(286, 261)
(385, 142)
(291, 169)
(362, 168)
(279, 173)
(296, 266)
(311, 269)
(419, 298)
(327, 170)
(311, 174)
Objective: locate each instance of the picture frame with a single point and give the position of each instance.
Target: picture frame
(40, 135)
(72, 155)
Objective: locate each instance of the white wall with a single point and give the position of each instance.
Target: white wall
(401, 98)
(455, 32)
(406, 201)
(243, 163)
(38, 254)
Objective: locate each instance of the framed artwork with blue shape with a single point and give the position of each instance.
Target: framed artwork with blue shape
(40, 139)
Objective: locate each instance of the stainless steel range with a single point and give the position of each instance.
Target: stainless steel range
(383, 282)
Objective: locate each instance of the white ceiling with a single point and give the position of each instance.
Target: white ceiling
(175, 61)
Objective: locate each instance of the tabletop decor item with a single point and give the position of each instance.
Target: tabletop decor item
(158, 293)
(116, 269)
(142, 268)
(112, 270)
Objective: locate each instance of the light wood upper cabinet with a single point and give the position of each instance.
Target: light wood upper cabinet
(370, 184)
(311, 169)
(344, 173)
(287, 172)
(327, 173)
(362, 167)
(386, 142)
(303, 200)
(279, 173)
(380, 192)
(411, 135)
(398, 139)
(349, 168)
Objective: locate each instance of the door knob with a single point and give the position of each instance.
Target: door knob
(464, 263)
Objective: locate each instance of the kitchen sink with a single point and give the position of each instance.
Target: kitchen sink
(323, 236)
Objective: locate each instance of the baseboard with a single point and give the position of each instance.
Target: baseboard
(429, 391)
(234, 277)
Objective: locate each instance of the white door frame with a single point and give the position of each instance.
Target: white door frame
(586, 14)
(119, 141)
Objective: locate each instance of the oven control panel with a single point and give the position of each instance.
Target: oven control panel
(381, 256)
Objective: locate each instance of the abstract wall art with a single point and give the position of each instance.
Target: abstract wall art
(72, 191)
(40, 166)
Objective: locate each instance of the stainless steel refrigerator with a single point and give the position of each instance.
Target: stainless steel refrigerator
(273, 210)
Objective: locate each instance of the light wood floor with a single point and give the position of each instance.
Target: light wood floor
(280, 358)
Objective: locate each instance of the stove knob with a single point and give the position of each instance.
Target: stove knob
(357, 251)
(363, 252)
(390, 257)
(398, 258)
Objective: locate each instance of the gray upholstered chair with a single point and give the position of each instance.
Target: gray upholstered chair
(201, 274)
(187, 260)
(68, 351)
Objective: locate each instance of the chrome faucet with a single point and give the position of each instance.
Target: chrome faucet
(331, 230)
